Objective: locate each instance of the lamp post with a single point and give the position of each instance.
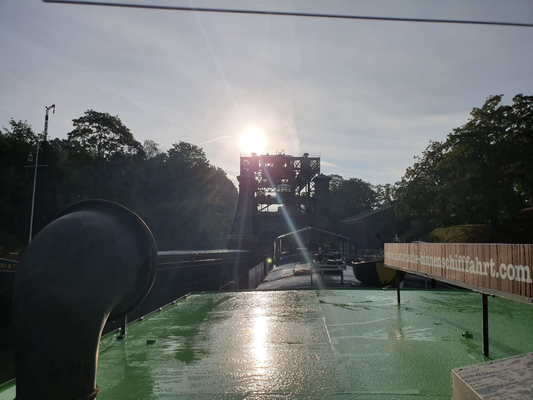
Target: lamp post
(45, 133)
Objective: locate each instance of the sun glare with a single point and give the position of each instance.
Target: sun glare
(252, 139)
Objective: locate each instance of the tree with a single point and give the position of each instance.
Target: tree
(103, 136)
(188, 155)
(187, 202)
(151, 149)
(422, 190)
(21, 131)
(481, 173)
(349, 197)
(519, 145)
(386, 193)
(16, 143)
(112, 147)
(489, 160)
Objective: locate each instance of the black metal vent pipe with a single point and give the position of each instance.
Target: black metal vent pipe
(97, 260)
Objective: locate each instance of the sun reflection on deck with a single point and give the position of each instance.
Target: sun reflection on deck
(260, 330)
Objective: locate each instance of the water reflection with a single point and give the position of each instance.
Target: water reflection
(187, 336)
(124, 374)
(396, 334)
(260, 330)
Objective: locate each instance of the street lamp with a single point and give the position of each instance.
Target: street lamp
(45, 134)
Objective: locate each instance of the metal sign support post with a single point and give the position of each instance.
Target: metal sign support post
(122, 329)
(485, 325)
(398, 287)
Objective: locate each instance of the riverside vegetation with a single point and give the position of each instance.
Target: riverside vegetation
(479, 176)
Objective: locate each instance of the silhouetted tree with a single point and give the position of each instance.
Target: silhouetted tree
(103, 136)
(349, 197)
(186, 201)
(481, 173)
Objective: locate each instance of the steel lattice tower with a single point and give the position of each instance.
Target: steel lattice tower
(278, 193)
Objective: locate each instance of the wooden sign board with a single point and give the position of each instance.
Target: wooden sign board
(499, 269)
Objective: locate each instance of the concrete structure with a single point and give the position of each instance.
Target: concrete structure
(278, 193)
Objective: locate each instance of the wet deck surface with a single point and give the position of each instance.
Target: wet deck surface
(351, 343)
(308, 344)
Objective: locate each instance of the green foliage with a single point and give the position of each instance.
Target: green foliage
(385, 193)
(480, 174)
(151, 149)
(194, 202)
(422, 189)
(461, 234)
(187, 155)
(20, 132)
(103, 136)
(16, 144)
(349, 197)
(186, 202)
(516, 232)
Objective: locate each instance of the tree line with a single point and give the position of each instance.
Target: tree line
(186, 201)
(481, 174)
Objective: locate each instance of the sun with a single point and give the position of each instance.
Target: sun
(252, 139)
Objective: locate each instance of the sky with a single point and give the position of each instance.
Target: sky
(367, 96)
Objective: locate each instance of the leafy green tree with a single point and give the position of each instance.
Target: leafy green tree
(103, 136)
(151, 149)
(422, 190)
(202, 198)
(186, 201)
(518, 145)
(188, 155)
(480, 174)
(112, 146)
(17, 142)
(20, 131)
(488, 159)
(349, 197)
(385, 193)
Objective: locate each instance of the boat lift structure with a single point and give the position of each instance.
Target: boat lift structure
(278, 193)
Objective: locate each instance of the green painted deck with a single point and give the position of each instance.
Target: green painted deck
(308, 344)
(353, 344)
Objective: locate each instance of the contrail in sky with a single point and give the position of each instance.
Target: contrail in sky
(213, 140)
